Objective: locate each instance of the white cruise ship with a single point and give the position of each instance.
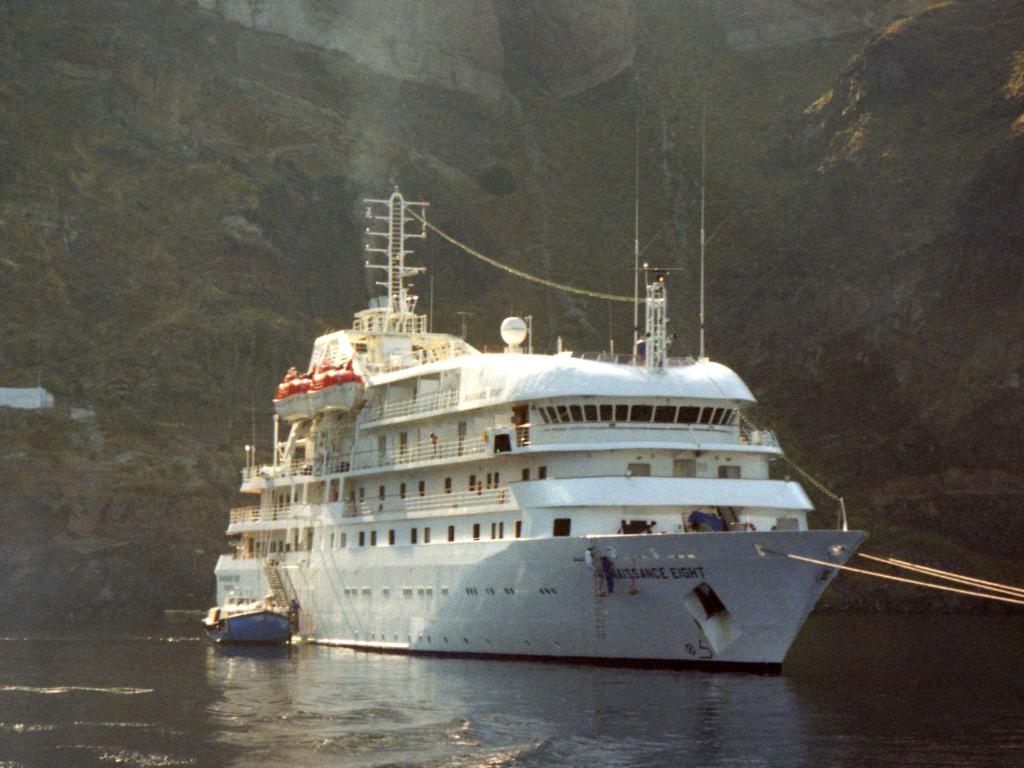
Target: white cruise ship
(424, 497)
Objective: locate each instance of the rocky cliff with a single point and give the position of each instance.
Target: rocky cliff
(179, 215)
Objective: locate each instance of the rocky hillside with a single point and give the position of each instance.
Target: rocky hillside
(179, 215)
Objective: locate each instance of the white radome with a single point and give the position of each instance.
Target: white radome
(513, 331)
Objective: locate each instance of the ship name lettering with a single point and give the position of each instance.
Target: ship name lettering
(693, 572)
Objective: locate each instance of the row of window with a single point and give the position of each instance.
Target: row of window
(493, 480)
(641, 412)
(364, 537)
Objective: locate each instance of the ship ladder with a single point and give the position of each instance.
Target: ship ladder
(600, 612)
(276, 583)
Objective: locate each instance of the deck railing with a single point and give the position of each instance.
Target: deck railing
(413, 503)
(424, 450)
(414, 405)
(256, 514)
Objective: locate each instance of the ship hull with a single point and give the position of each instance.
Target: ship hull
(710, 600)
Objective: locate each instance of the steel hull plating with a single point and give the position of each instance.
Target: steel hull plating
(711, 599)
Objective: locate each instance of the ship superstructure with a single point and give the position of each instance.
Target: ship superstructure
(425, 497)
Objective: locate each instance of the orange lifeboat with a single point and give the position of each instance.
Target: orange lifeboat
(286, 387)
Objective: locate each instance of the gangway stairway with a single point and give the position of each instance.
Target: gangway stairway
(276, 583)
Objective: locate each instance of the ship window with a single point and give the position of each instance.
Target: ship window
(447, 485)
(542, 413)
(501, 530)
(552, 414)
(335, 489)
(403, 443)
(606, 411)
(526, 474)
(590, 412)
(380, 491)
(684, 467)
(382, 447)
(401, 490)
(576, 412)
(476, 531)
(519, 528)
(472, 482)
(562, 526)
(373, 538)
(621, 412)
(362, 493)
(639, 470)
(687, 415)
(362, 538)
(391, 537)
(665, 414)
(723, 417)
(706, 415)
(563, 412)
(412, 535)
(641, 413)
(497, 479)
(451, 533)
(502, 443)
(344, 540)
(488, 481)
(422, 487)
(494, 530)
(542, 473)
(426, 535)
(729, 471)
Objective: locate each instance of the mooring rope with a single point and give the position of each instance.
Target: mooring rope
(993, 586)
(518, 272)
(900, 579)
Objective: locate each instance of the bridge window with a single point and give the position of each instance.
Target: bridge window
(606, 412)
(621, 412)
(561, 527)
(542, 413)
(590, 412)
(687, 414)
(665, 414)
(706, 415)
(641, 413)
(725, 417)
(576, 412)
(552, 414)
(563, 412)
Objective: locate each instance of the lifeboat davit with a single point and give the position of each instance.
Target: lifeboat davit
(302, 396)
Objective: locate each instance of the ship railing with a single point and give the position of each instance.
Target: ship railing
(452, 348)
(616, 358)
(469, 499)
(750, 436)
(523, 435)
(409, 406)
(257, 514)
(424, 450)
(284, 469)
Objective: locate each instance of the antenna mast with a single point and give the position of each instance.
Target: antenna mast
(703, 165)
(398, 314)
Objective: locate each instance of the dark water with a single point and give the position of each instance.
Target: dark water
(857, 691)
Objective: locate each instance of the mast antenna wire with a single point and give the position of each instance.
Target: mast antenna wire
(518, 272)
(703, 168)
(636, 228)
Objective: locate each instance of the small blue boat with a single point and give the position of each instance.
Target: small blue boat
(243, 621)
